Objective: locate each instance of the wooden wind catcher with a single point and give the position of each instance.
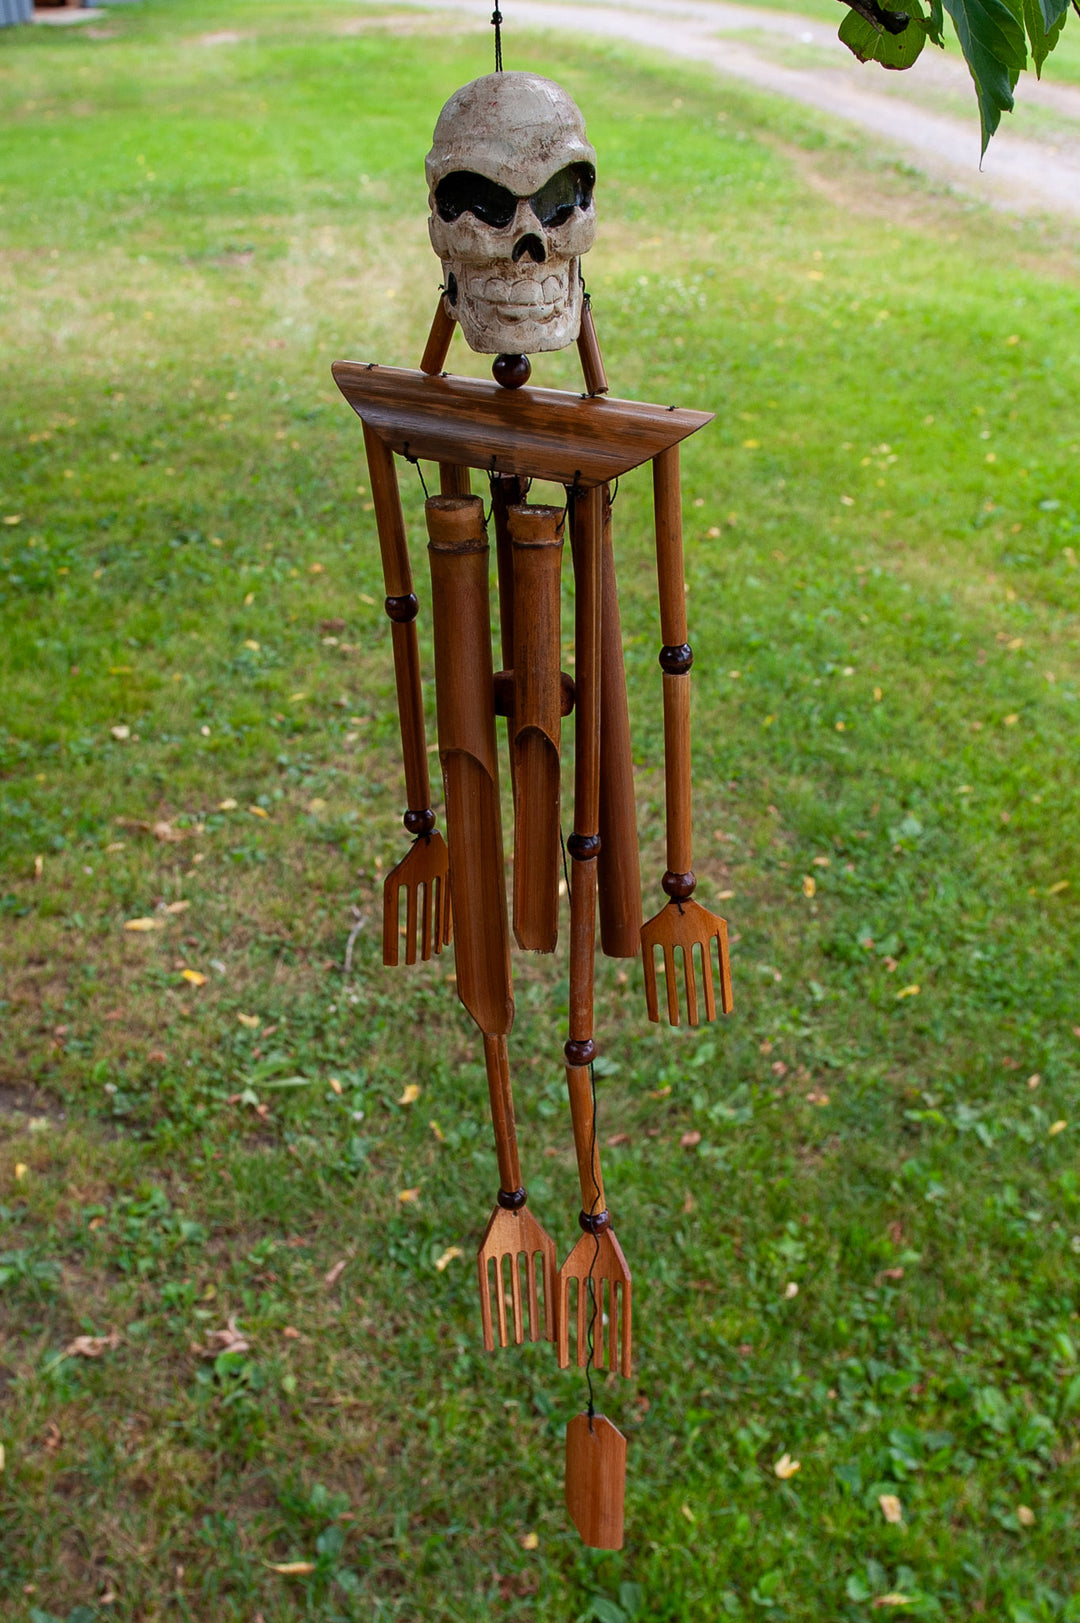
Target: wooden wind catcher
(511, 178)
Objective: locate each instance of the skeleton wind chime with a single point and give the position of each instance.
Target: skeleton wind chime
(511, 179)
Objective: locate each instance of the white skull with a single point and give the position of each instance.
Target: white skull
(510, 177)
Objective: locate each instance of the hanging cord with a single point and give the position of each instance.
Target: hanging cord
(415, 460)
(591, 1360)
(496, 23)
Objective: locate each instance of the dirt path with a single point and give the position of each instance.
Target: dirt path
(1020, 173)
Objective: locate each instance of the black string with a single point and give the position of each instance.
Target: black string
(496, 23)
(415, 460)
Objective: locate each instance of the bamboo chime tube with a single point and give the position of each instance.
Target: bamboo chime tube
(401, 606)
(618, 872)
(587, 547)
(458, 553)
(536, 535)
(675, 660)
(592, 362)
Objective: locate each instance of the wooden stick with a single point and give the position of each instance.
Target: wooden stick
(584, 843)
(437, 347)
(536, 536)
(676, 658)
(401, 606)
(618, 871)
(497, 1063)
(506, 492)
(592, 362)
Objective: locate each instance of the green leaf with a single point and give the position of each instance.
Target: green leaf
(1053, 12)
(935, 23)
(606, 1611)
(994, 46)
(872, 44)
(1043, 38)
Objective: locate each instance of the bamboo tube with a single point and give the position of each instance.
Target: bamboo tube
(675, 660)
(677, 772)
(506, 491)
(497, 1063)
(458, 553)
(667, 507)
(618, 865)
(590, 1178)
(536, 535)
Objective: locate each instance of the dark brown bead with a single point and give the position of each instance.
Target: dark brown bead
(511, 1200)
(419, 822)
(580, 1053)
(679, 885)
(676, 661)
(402, 609)
(511, 371)
(583, 847)
(594, 1222)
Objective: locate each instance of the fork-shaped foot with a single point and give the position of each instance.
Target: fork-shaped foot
(424, 875)
(512, 1240)
(689, 926)
(597, 1256)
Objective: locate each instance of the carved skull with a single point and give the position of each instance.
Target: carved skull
(510, 176)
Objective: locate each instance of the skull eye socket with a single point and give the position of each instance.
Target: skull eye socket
(466, 193)
(558, 197)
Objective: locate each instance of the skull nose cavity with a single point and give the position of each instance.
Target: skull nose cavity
(529, 244)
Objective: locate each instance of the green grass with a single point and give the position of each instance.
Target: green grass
(886, 703)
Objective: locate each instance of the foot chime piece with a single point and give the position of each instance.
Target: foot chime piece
(511, 178)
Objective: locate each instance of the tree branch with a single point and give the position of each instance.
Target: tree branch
(893, 22)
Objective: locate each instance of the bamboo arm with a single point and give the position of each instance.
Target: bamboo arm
(401, 606)
(453, 479)
(676, 658)
(592, 362)
(497, 1062)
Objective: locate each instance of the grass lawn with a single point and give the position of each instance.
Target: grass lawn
(867, 1257)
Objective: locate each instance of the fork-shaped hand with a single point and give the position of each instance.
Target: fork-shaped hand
(700, 937)
(424, 875)
(603, 1300)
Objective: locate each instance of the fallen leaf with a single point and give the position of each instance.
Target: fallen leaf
(786, 1467)
(226, 805)
(407, 1195)
(91, 1346)
(909, 991)
(193, 976)
(168, 835)
(251, 1021)
(447, 1257)
(617, 1139)
(1025, 1516)
(249, 642)
(688, 1513)
(1010, 721)
(1058, 1127)
(21, 1169)
(809, 885)
(228, 1340)
(437, 1130)
(821, 862)
(891, 1273)
(157, 1056)
(177, 907)
(890, 1508)
(530, 1541)
(290, 1333)
(689, 1140)
(1055, 890)
(120, 733)
(662, 1093)
(1034, 1080)
(140, 926)
(39, 867)
(317, 805)
(332, 1275)
(894, 1599)
(291, 1568)
(411, 1094)
(257, 811)
(335, 1086)
(791, 1290)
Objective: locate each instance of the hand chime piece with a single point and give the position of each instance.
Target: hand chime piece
(511, 178)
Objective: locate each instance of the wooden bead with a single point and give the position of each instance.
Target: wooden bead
(594, 1222)
(419, 822)
(679, 886)
(511, 1200)
(511, 371)
(402, 609)
(676, 661)
(580, 1053)
(583, 847)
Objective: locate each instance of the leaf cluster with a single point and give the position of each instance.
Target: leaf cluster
(995, 36)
